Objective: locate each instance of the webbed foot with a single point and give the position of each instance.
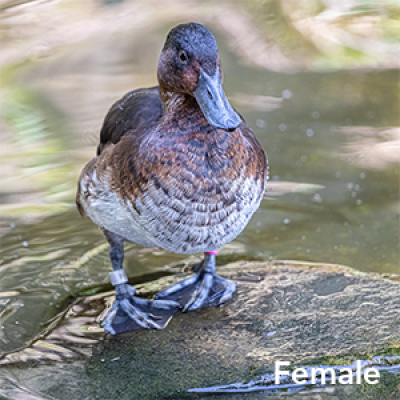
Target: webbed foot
(205, 289)
(129, 312)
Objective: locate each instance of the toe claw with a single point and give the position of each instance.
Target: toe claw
(109, 329)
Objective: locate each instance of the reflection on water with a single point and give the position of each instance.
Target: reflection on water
(332, 139)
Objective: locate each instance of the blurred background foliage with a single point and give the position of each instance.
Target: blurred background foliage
(332, 33)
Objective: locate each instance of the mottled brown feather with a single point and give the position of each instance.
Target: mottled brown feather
(136, 111)
(164, 176)
(184, 146)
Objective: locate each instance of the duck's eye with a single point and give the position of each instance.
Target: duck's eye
(183, 57)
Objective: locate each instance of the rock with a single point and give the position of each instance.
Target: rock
(294, 311)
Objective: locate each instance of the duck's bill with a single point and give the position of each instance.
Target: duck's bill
(213, 103)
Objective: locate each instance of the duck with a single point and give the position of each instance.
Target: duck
(177, 168)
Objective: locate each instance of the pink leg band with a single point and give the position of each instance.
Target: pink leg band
(211, 252)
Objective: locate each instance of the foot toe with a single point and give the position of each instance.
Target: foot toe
(108, 327)
(141, 318)
(134, 313)
(201, 290)
(230, 288)
(199, 297)
(166, 304)
(175, 291)
(107, 321)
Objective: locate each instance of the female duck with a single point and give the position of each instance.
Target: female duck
(176, 168)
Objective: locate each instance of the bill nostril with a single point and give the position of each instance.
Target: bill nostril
(209, 94)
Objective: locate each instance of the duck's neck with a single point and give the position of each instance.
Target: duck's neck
(175, 102)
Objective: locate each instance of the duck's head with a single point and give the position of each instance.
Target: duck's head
(189, 64)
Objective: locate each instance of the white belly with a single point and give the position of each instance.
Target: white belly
(173, 223)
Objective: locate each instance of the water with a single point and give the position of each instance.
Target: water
(332, 140)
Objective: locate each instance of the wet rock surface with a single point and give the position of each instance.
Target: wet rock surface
(303, 313)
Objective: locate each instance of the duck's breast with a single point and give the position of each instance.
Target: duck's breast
(192, 192)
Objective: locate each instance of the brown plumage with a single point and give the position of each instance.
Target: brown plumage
(176, 167)
(181, 156)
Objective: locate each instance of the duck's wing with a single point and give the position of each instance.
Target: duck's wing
(136, 111)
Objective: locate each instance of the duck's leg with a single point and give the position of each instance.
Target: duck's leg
(201, 290)
(129, 312)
